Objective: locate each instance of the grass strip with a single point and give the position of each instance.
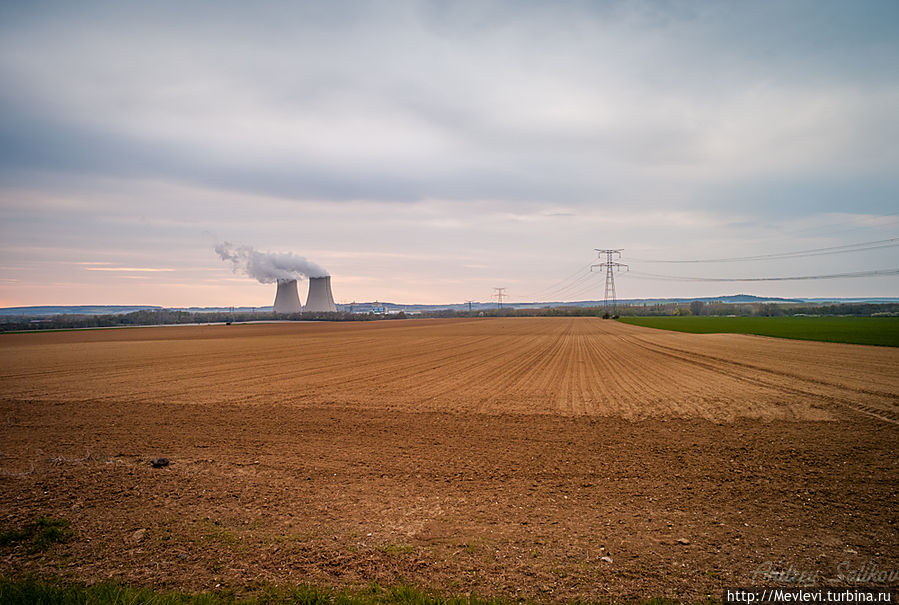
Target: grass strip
(43, 592)
(882, 331)
(38, 535)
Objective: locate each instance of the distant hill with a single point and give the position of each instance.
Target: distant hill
(76, 310)
(392, 307)
(267, 309)
(389, 307)
(881, 299)
(732, 298)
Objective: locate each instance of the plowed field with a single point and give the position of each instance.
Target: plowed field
(546, 457)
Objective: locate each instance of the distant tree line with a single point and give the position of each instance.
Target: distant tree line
(695, 307)
(156, 317)
(768, 309)
(165, 317)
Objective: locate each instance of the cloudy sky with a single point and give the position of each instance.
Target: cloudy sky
(431, 151)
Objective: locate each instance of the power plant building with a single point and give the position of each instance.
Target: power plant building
(287, 299)
(320, 299)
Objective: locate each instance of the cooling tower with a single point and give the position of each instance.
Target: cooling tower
(287, 300)
(320, 297)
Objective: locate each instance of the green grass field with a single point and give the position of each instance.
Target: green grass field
(883, 331)
(34, 591)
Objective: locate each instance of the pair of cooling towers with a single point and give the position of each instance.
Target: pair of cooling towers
(319, 300)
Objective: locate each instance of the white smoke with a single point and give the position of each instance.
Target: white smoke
(268, 267)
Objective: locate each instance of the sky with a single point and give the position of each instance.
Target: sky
(429, 152)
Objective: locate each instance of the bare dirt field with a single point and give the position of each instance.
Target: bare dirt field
(546, 458)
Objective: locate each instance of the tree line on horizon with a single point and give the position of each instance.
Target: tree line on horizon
(152, 317)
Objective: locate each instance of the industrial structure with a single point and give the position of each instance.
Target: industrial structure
(499, 295)
(320, 298)
(287, 299)
(610, 266)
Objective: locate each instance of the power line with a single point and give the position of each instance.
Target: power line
(860, 247)
(571, 281)
(578, 284)
(573, 296)
(869, 222)
(874, 273)
(575, 289)
(566, 283)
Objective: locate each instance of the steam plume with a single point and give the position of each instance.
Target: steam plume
(268, 267)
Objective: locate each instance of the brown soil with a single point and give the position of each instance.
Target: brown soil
(496, 456)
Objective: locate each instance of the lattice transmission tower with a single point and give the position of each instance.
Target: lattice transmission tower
(611, 266)
(499, 295)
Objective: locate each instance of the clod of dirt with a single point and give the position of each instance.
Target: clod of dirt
(159, 462)
(138, 535)
(683, 541)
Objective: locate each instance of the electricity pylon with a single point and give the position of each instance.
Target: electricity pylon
(500, 294)
(611, 266)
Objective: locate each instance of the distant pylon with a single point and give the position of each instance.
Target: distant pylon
(499, 296)
(610, 266)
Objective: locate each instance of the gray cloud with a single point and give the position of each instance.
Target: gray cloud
(410, 101)
(507, 136)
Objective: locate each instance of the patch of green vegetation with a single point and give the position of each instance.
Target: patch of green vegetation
(38, 535)
(214, 531)
(30, 591)
(883, 331)
(395, 549)
(305, 536)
